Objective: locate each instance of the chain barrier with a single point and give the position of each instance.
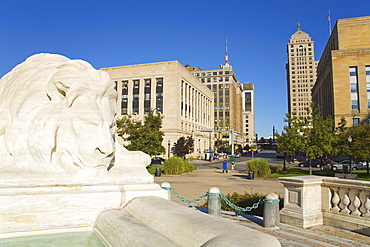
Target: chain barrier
(222, 196)
(185, 200)
(254, 206)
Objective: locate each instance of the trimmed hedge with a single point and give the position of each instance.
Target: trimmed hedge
(260, 167)
(176, 166)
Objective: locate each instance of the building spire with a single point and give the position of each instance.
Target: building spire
(226, 54)
(298, 26)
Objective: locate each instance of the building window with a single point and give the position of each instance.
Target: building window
(353, 88)
(215, 73)
(227, 72)
(147, 83)
(147, 96)
(356, 121)
(136, 83)
(159, 96)
(159, 82)
(367, 68)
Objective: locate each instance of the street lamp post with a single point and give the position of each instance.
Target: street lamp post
(350, 157)
(169, 145)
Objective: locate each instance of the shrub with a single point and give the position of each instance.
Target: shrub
(275, 169)
(260, 167)
(246, 200)
(176, 165)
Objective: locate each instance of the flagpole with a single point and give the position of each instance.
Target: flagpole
(329, 23)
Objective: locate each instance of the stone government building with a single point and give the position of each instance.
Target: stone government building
(342, 88)
(185, 102)
(190, 105)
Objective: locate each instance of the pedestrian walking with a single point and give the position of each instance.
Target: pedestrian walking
(224, 167)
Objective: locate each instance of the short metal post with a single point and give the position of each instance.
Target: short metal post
(167, 186)
(271, 214)
(214, 202)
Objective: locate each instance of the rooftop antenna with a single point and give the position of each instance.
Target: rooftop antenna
(226, 54)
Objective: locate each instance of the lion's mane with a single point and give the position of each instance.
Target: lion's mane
(57, 114)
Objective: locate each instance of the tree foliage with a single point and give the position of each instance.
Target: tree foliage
(310, 134)
(359, 146)
(144, 135)
(183, 146)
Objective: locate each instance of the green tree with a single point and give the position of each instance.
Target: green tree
(310, 134)
(144, 135)
(183, 146)
(359, 147)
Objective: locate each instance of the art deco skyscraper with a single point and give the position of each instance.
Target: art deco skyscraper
(301, 71)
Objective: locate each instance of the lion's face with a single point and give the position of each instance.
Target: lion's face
(61, 113)
(86, 138)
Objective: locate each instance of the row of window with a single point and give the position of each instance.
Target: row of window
(353, 79)
(220, 86)
(301, 67)
(222, 72)
(215, 79)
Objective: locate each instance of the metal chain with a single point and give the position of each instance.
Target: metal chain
(185, 200)
(222, 196)
(254, 206)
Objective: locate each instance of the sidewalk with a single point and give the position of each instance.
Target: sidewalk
(193, 185)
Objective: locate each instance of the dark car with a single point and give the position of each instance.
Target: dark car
(314, 163)
(157, 161)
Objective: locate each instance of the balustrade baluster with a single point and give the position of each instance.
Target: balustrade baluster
(356, 205)
(367, 207)
(335, 200)
(346, 201)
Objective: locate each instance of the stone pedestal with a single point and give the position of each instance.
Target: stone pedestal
(27, 208)
(302, 201)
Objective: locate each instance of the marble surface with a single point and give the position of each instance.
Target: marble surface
(57, 124)
(61, 163)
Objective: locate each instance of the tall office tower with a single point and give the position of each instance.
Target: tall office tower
(248, 114)
(227, 92)
(301, 71)
(169, 88)
(342, 87)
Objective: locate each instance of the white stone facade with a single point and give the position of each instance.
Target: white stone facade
(168, 87)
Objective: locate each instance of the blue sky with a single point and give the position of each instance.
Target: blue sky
(113, 33)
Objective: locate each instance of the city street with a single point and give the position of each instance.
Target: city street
(240, 163)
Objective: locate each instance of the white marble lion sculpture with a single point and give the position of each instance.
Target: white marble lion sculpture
(57, 115)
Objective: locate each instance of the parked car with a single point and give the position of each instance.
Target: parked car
(279, 155)
(339, 165)
(237, 155)
(157, 161)
(314, 163)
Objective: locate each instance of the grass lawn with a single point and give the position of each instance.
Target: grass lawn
(292, 172)
(152, 169)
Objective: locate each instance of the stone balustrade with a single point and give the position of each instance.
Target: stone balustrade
(315, 200)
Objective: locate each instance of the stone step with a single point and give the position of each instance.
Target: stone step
(290, 236)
